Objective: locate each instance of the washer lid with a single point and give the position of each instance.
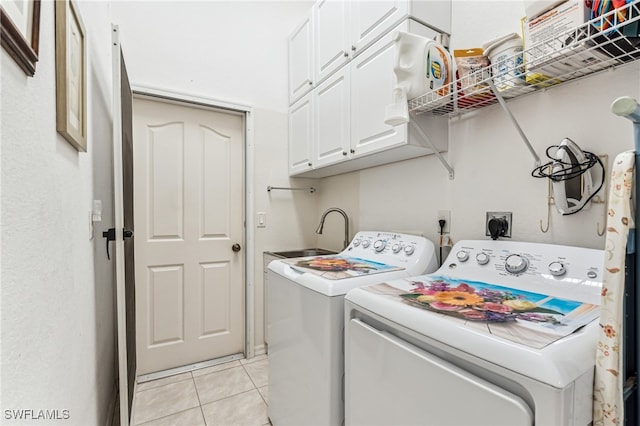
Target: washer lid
(335, 275)
(538, 336)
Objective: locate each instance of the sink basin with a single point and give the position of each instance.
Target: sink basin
(303, 253)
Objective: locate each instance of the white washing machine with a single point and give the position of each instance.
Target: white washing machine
(306, 320)
(504, 333)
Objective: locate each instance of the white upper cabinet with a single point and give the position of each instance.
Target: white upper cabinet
(339, 126)
(301, 135)
(371, 19)
(301, 59)
(331, 29)
(332, 119)
(372, 83)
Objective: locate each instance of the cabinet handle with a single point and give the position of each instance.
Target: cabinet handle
(310, 83)
(309, 164)
(353, 48)
(344, 152)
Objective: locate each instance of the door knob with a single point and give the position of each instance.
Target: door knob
(236, 247)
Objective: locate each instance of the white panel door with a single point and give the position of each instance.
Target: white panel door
(372, 83)
(332, 119)
(372, 18)
(189, 213)
(331, 39)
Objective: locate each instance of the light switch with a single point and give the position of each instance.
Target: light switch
(262, 220)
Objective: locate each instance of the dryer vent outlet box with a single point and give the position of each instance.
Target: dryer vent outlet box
(498, 215)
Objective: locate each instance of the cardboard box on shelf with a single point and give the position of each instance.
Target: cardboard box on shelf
(554, 43)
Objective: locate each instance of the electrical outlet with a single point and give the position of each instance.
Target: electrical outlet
(446, 216)
(499, 215)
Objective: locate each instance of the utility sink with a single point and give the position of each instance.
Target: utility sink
(303, 253)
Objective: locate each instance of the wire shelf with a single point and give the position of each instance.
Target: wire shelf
(584, 50)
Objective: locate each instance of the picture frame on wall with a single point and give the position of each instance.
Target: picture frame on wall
(20, 32)
(71, 96)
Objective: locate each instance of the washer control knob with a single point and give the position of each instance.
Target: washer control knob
(557, 268)
(482, 258)
(462, 255)
(379, 245)
(356, 242)
(516, 264)
(396, 248)
(366, 243)
(408, 250)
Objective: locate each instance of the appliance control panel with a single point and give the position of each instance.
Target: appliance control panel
(391, 248)
(556, 269)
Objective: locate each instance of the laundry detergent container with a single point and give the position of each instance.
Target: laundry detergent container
(422, 66)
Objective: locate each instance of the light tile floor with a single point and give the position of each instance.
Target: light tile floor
(234, 393)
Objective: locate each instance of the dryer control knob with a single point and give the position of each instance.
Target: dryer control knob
(356, 242)
(366, 243)
(396, 248)
(482, 258)
(516, 264)
(379, 245)
(557, 269)
(462, 255)
(408, 250)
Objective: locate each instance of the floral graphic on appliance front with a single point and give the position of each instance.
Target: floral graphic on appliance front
(335, 267)
(485, 302)
(524, 317)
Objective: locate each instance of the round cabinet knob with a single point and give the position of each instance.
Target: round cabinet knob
(396, 248)
(356, 242)
(482, 258)
(236, 247)
(516, 264)
(462, 256)
(379, 245)
(344, 153)
(408, 250)
(557, 269)
(366, 243)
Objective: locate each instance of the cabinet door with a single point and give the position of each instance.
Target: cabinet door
(332, 119)
(331, 30)
(300, 135)
(372, 83)
(372, 18)
(301, 60)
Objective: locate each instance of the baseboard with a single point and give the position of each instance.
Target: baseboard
(113, 406)
(259, 350)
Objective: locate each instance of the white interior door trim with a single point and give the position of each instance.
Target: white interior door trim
(118, 246)
(247, 110)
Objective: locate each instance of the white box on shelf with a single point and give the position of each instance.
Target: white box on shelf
(557, 36)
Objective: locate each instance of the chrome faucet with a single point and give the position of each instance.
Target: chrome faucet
(346, 223)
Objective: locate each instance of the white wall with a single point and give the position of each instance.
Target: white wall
(491, 162)
(57, 285)
(234, 51)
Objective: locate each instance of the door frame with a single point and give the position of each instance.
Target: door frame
(169, 96)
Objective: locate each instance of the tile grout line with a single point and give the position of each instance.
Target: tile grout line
(255, 386)
(198, 396)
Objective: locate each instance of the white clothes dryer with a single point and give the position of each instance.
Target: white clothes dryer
(306, 320)
(504, 333)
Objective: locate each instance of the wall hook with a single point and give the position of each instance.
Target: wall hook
(546, 229)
